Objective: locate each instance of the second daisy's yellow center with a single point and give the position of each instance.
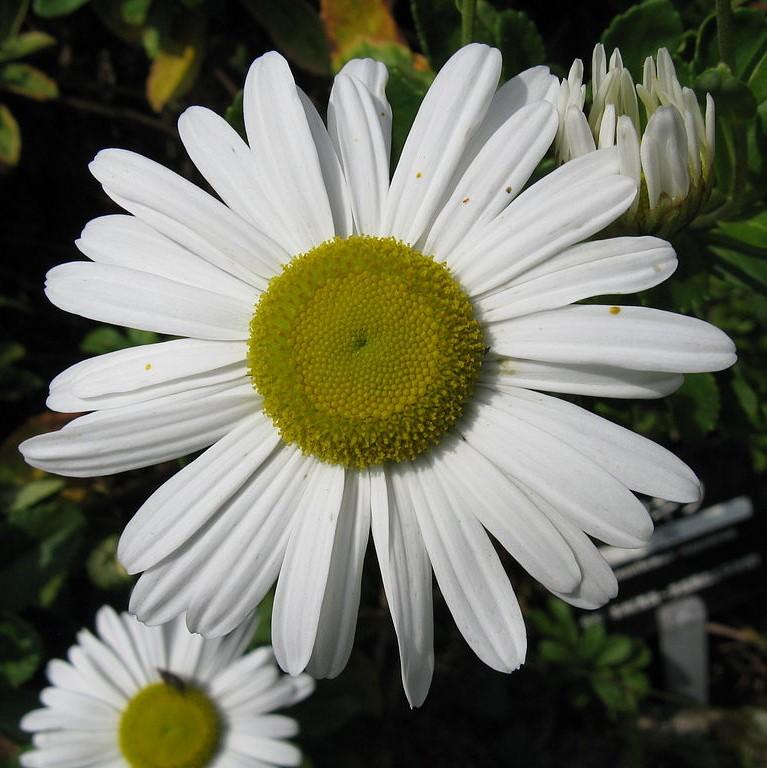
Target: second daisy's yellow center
(364, 351)
(166, 726)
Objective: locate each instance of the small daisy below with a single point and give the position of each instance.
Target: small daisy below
(160, 697)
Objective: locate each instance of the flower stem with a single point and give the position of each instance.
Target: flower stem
(724, 33)
(468, 10)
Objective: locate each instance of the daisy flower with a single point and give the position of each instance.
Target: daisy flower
(367, 354)
(671, 162)
(160, 697)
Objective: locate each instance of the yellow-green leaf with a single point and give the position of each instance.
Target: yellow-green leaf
(28, 81)
(349, 23)
(10, 137)
(23, 45)
(177, 62)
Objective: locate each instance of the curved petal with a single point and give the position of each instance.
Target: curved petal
(596, 268)
(281, 140)
(522, 237)
(150, 303)
(354, 123)
(479, 486)
(450, 113)
(119, 439)
(304, 574)
(338, 618)
(229, 166)
(637, 462)
(137, 374)
(374, 76)
(406, 576)
(574, 484)
(186, 214)
(629, 337)
(574, 379)
(469, 573)
(495, 177)
(125, 241)
(183, 504)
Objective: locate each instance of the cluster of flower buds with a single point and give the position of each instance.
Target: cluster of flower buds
(673, 162)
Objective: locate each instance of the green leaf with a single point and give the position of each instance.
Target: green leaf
(37, 547)
(591, 642)
(641, 31)
(733, 98)
(562, 613)
(12, 15)
(235, 116)
(21, 650)
(107, 338)
(104, 569)
(177, 62)
(296, 29)
(513, 33)
(10, 137)
(438, 25)
(616, 650)
(25, 44)
(696, 405)
(28, 81)
(554, 652)
(10, 352)
(612, 694)
(754, 267)
(752, 232)
(750, 42)
(757, 81)
(35, 492)
(134, 12)
(50, 8)
(747, 397)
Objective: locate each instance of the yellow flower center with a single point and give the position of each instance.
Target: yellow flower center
(364, 351)
(169, 726)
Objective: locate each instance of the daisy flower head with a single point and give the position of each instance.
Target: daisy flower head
(671, 160)
(367, 354)
(135, 696)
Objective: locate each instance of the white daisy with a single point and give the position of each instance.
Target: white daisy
(372, 388)
(160, 697)
(673, 163)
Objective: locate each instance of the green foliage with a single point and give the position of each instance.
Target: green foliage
(103, 567)
(641, 31)
(21, 650)
(108, 338)
(593, 665)
(52, 8)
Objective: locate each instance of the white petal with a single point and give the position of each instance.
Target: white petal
(522, 238)
(579, 138)
(120, 439)
(229, 166)
(271, 751)
(137, 374)
(183, 504)
(374, 76)
(406, 577)
(338, 619)
(304, 573)
(664, 156)
(478, 485)
(599, 583)
(240, 559)
(607, 128)
(574, 379)
(125, 241)
(534, 84)
(354, 123)
(332, 174)
(185, 213)
(495, 177)
(281, 140)
(469, 573)
(451, 111)
(582, 490)
(595, 268)
(139, 300)
(637, 462)
(112, 630)
(633, 337)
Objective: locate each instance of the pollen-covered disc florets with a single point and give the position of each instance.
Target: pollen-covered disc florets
(364, 351)
(167, 726)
